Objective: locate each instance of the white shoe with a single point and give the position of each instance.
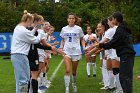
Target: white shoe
(67, 90)
(74, 88)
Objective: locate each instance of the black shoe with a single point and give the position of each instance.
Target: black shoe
(88, 75)
(94, 75)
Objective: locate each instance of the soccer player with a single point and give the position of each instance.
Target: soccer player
(115, 60)
(70, 48)
(21, 41)
(90, 39)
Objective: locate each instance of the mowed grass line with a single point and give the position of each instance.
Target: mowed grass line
(84, 84)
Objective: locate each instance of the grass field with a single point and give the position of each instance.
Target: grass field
(84, 83)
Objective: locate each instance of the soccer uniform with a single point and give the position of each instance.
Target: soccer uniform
(72, 37)
(111, 52)
(41, 52)
(89, 42)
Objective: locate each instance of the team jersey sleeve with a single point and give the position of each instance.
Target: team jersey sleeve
(62, 33)
(109, 34)
(85, 38)
(81, 32)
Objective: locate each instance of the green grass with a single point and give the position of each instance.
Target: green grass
(84, 84)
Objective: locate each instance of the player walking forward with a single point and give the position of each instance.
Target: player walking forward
(71, 50)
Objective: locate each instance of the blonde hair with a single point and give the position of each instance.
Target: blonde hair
(26, 16)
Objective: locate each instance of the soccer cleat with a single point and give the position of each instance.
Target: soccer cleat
(94, 75)
(88, 75)
(67, 90)
(74, 88)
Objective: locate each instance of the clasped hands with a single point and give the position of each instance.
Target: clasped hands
(93, 49)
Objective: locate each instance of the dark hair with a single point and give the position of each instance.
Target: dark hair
(105, 24)
(118, 16)
(110, 18)
(90, 27)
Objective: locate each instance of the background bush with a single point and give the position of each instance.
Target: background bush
(90, 12)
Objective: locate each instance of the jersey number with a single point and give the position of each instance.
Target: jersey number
(70, 39)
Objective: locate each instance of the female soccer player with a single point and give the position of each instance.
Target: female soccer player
(22, 39)
(90, 39)
(71, 50)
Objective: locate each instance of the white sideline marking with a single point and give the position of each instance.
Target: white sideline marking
(56, 70)
(53, 75)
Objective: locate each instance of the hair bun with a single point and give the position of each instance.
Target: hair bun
(25, 12)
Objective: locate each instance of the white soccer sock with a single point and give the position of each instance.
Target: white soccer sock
(94, 68)
(111, 79)
(88, 68)
(67, 80)
(105, 73)
(118, 85)
(42, 79)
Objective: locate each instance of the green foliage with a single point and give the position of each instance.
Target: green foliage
(90, 12)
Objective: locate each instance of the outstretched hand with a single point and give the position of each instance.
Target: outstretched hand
(60, 51)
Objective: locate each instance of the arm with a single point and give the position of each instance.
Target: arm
(45, 43)
(43, 47)
(60, 49)
(62, 44)
(30, 38)
(116, 41)
(83, 42)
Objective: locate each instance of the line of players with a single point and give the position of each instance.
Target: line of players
(34, 41)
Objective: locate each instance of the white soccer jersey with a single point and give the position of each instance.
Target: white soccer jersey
(109, 34)
(48, 37)
(41, 51)
(88, 41)
(72, 37)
